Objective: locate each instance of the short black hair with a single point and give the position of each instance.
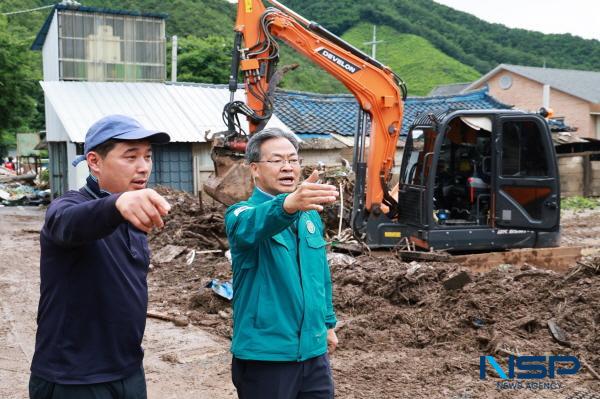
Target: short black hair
(104, 148)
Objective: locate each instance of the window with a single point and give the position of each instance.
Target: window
(416, 160)
(106, 47)
(523, 153)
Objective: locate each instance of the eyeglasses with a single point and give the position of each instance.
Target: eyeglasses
(280, 162)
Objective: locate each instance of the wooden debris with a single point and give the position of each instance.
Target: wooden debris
(530, 273)
(190, 223)
(408, 256)
(353, 249)
(167, 253)
(27, 178)
(589, 367)
(178, 321)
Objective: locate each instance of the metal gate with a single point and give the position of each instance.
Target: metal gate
(57, 152)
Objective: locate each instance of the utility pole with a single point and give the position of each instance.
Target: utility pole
(374, 42)
(174, 60)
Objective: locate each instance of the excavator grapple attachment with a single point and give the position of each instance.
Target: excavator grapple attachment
(231, 182)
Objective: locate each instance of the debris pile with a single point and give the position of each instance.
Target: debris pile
(392, 312)
(343, 178)
(15, 193)
(24, 189)
(190, 223)
(510, 309)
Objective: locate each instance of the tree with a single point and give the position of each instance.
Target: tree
(204, 60)
(18, 78)
(18, 88)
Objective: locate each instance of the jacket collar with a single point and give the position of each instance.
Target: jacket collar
(259, 196)
(93, 188)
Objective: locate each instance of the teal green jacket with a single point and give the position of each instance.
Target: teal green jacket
(282, 304)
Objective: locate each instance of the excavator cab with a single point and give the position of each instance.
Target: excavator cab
(476, 180)
(469, 180)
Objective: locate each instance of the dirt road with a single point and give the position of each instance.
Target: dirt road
(180, 363)
(401, 335)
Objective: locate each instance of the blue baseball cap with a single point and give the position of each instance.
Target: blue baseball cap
(118, 127)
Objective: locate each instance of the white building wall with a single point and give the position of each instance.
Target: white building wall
(55, 132)
(203, 164)
(77, 174)
(50, 52)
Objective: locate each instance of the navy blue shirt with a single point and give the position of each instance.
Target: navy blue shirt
(94, 294)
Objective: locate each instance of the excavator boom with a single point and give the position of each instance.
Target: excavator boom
(379, 92)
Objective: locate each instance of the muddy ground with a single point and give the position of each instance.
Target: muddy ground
(180, 362)
(402, 334)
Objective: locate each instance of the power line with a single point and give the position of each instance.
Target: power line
(29, 10)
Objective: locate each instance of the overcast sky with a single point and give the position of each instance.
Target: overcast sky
(577, 17)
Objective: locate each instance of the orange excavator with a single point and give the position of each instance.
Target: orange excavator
(469, 180)
(378, 90)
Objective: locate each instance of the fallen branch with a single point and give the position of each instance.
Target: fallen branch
(531, 273)
(178, 321)
(590, 369)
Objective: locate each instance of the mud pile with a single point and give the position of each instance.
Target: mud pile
(389, 303)
(402, 333)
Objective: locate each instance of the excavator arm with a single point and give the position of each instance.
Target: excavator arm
(377, 89)
(379, 92)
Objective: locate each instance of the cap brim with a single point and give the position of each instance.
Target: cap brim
(153, 137)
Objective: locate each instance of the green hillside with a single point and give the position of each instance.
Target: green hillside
(419, 63)
(425, 43)
(462, 36)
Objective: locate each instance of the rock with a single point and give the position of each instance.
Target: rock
(457, 281)
(224, 315)
(180, 321)
(557, 333)
(528, 323)
(209, 322)
(339, 259)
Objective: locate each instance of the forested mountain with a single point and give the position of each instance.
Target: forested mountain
(424, 42)
(462, 36)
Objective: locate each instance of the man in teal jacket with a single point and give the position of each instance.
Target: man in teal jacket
(282, 306)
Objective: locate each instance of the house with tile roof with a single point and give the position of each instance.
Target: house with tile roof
(327, 114)
(573, 95)
(321, 120)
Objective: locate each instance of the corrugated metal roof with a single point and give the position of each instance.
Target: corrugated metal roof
(188, 112)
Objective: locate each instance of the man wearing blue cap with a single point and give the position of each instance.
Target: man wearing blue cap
(93, 267)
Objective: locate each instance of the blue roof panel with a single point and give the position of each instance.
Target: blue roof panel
(338, 113)
(317, 113)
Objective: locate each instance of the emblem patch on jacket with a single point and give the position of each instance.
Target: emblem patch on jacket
(310, 226)
(240, 210)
